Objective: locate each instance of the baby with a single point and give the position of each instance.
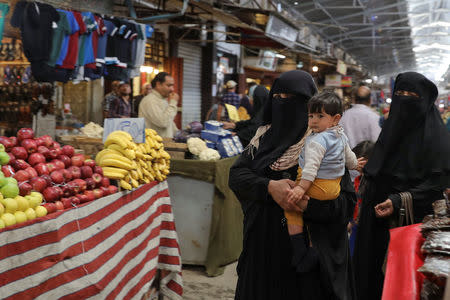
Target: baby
(322, 163)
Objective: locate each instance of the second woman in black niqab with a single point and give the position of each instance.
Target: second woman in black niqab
(411, 155)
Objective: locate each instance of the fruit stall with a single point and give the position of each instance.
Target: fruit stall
(79, 227)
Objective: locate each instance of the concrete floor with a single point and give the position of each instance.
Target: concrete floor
(198, 286)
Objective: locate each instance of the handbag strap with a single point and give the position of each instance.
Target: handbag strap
(406, 215)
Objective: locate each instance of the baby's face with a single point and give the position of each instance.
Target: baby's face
(319, 122)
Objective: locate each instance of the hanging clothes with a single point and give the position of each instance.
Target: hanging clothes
(61, 31)
(4, 9)
(74, 27)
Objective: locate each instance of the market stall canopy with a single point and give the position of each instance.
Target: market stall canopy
(387, 38)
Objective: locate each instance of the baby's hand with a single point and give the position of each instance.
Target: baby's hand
(361, 163)
(295, 195)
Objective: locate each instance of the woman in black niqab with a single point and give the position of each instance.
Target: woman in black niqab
(265, 266)
(411, 155)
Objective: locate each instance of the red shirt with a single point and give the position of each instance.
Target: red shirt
(72, 51)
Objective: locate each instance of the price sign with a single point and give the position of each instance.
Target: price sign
(134, 126)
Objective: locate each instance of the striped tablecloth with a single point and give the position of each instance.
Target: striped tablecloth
(109, 248)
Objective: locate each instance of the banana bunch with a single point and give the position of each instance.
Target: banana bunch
(134, 164)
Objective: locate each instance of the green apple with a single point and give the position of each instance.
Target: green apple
(10, 205)
(38, 195)
(2, 209)
(10, 190)
(20, 217)
(2, 224)
(40, 211)
(4, 158)
(9, 219)
(22, 203)
(31, 214)
(2, 148)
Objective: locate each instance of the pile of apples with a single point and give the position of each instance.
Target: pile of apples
(64, 178)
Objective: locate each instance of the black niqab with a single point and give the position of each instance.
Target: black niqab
(288, 117)
(414, 142)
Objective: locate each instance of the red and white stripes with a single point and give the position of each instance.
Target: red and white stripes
(106, 249)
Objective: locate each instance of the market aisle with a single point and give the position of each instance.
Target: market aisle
(198, 286)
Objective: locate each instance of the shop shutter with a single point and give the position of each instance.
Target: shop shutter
(192, 61)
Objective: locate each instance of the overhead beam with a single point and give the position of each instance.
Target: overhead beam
(380, 26)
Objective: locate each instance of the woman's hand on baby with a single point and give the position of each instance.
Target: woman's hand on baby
(362, 161)
(295, 195)
(279, 190)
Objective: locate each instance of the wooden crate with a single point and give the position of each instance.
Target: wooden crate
(175, 150)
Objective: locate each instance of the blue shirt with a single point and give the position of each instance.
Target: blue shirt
(74, 27)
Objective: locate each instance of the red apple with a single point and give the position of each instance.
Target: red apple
(90, 195)
(19, 153)
(56, 145)
(90, 183)
(67, 175)
(68, 150)
(22, 175)
(24, 188)
(81, 184)
(44, 151)
(98, 179)
(83, 198)
(36, 158)
(86, 172)
(105, 182)
(42, 169)
(57, 176)
(74, 200)
(112, 189)
(30, 145)
(38, 184)
(73, 186)
(6, 142)
(47, 179)
(51, 167)
(19, 164)
(13, 141)
(8, 171)
(48, 141)
(67, 191)
(52, 194)
(32, 172)
(105, 190)
(53, 154)
(59, 164)
(76, 172)
(66, 160)
(51, 207)
(39, 142)
(98, 170)
(59, 205)
(90, 163)
(77, 160)
(25, 133)
(11, 157)
(98, 193)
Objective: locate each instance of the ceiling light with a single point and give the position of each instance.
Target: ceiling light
(315, 68)
(368, 80)
(388, 100)
(295, 3)
(146, 69)
(280, 56)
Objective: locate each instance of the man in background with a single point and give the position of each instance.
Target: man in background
(146, 89)
(230, 97)
(121, 106)
(110, 97)
(360, 122)
(159, 108)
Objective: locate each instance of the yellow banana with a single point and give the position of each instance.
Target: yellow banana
(101, 154)
(121, 134)
(146, 180)
(127, 178)
(125, 185)
(115, 170)
(134, 183)
(125, 152)
(113, 175)
(165, 171)
(134, 175)
(116, 156)
(146, 173)
(158, 138)
(139, 171)
(164, 154)
(108, 162)
(149, 164)
(116, 140)
(153, 153)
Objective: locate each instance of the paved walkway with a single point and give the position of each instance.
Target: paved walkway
(198, 286)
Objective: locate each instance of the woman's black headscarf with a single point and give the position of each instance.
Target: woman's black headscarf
(414, 142)
(288, 118)
(260, 95)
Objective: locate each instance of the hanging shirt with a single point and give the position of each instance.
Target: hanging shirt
(105, 30)
(35, 21)
(72, 51)
(4, 9)
(112, 25)
(74, 27)
(140, 51)
(86, 49)
(59, 33)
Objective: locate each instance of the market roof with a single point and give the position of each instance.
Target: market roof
(385, 36)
